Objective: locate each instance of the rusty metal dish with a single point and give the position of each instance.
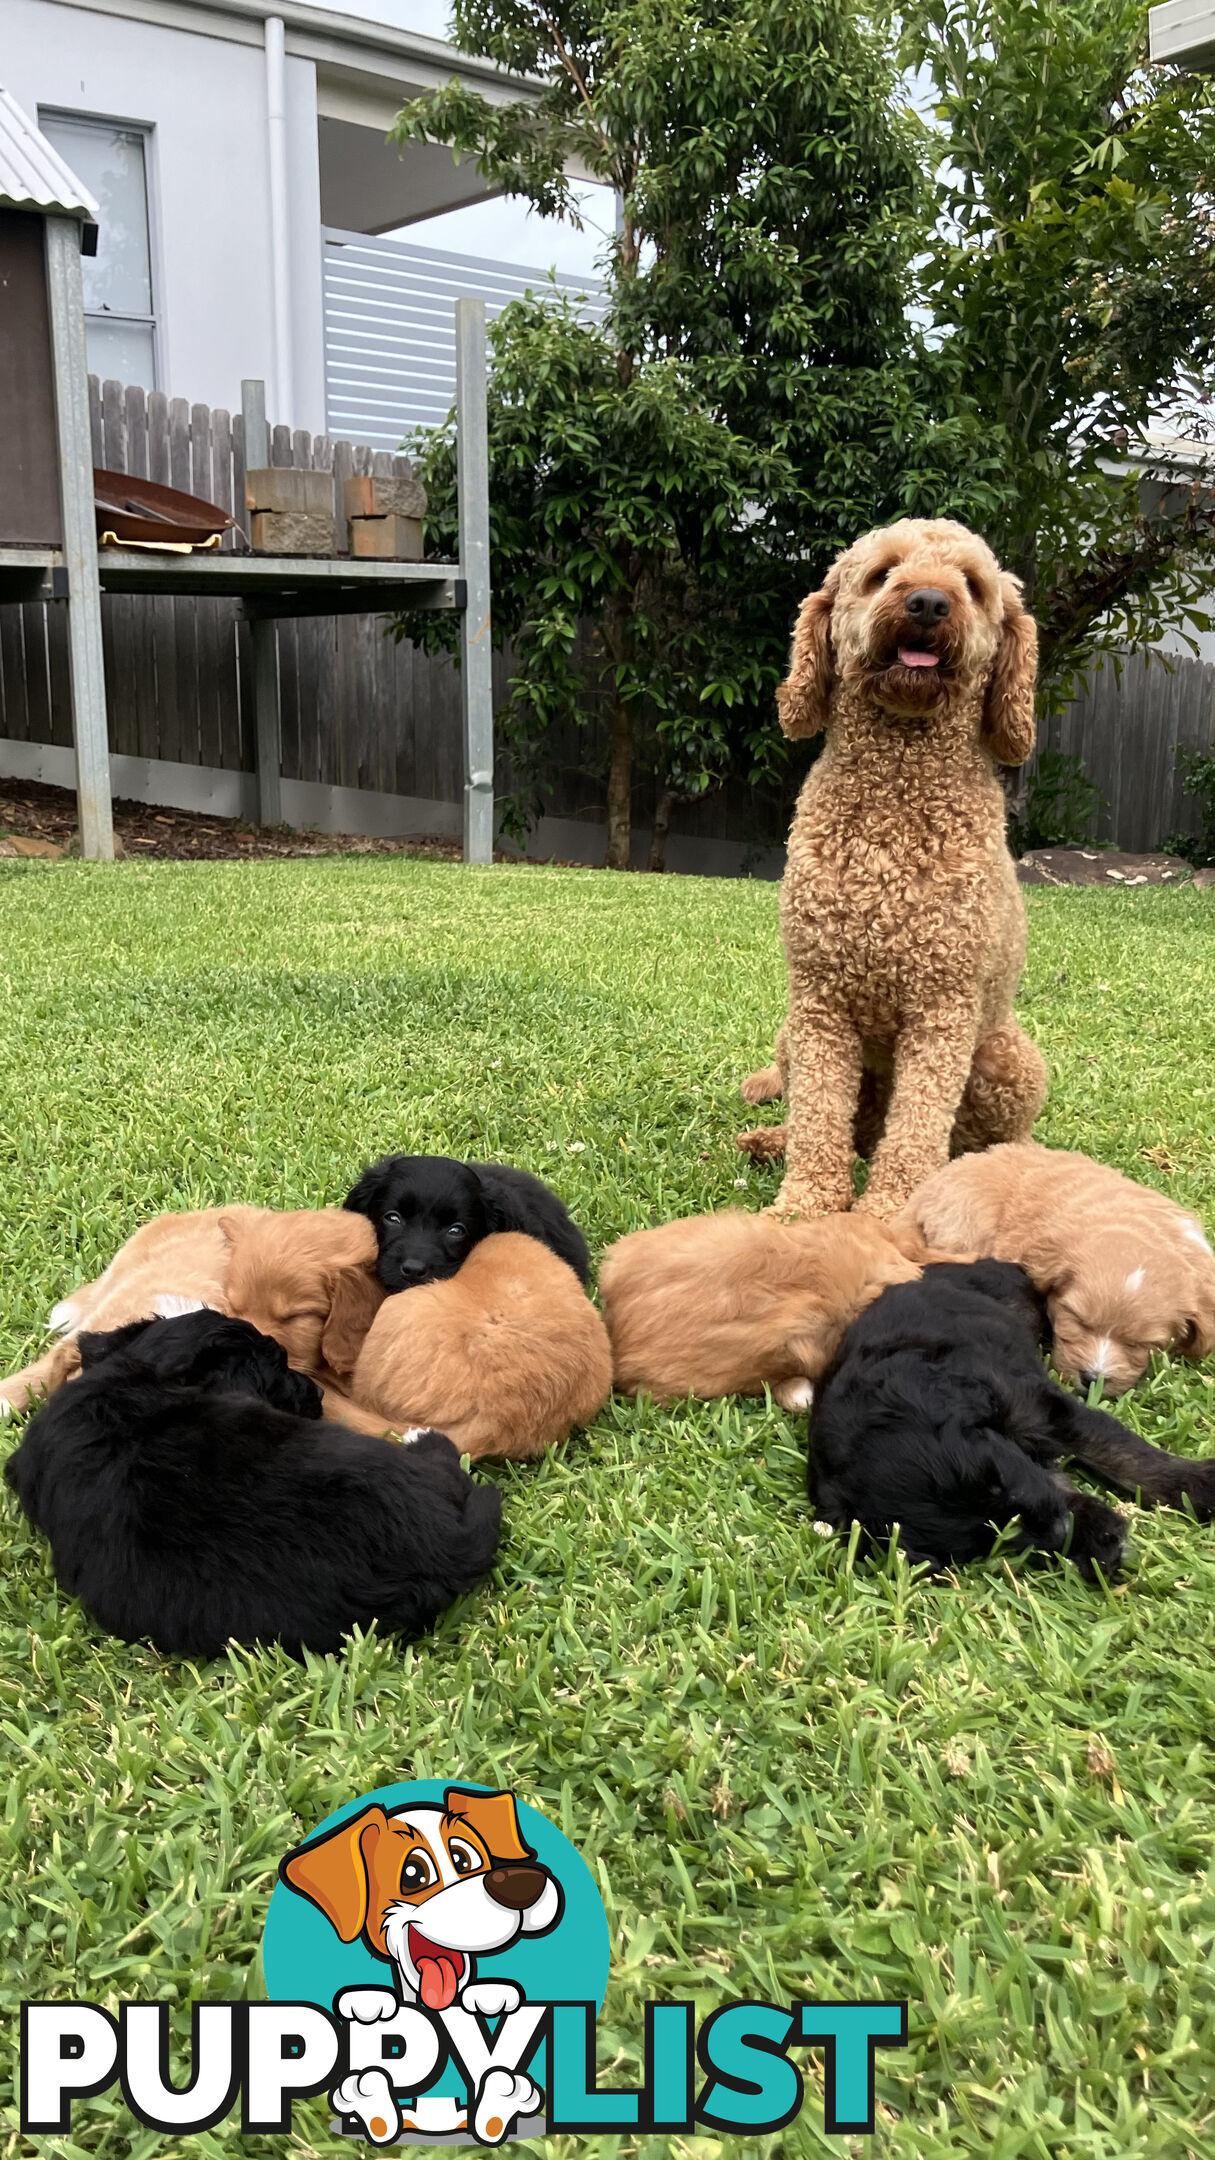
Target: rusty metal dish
(135, 509)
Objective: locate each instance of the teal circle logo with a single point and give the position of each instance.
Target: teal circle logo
(432, 1899)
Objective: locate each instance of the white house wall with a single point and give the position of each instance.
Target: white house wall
(204, 99)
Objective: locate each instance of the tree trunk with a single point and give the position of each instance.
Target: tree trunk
(660, 831)
(620, 787)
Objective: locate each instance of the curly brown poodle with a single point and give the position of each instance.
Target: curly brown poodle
(903, 923)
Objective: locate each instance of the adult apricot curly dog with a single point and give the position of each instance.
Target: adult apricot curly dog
(903, 924)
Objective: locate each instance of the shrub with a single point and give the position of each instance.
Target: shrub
(1061, 805)
(1197, 768)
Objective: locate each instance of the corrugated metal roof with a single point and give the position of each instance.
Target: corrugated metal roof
(33, 176)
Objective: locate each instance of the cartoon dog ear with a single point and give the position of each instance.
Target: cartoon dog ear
(803, 699)
(1008, 711)
(331, 1872)
(355, 1298)
(495, 1819)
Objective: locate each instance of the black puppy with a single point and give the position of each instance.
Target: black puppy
(192, 1496)
(429, 1211)
(937, 1414)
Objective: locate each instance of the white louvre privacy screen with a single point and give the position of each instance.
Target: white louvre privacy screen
(390, 328)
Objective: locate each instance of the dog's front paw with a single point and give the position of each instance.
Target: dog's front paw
(492, 1998)
(1196, 1483)
(504, 2097)
(807, 1198)
(369, 2005)
(796, 1394)
(1098, 1536)
(369, 2097)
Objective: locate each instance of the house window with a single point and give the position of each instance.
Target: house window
(120, 321)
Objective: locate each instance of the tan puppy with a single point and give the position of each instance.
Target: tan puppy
(730, 1304)
(305, 1276)
(1124, 1270)
(170, 1265)
(505, 1357)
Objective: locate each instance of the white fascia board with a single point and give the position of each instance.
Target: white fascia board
(370, 49)
(1183, 31)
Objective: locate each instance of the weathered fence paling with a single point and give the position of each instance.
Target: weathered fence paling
(1127, 735)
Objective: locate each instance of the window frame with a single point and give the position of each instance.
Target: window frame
(146, 131)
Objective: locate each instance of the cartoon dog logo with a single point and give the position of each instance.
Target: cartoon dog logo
(428, 1888)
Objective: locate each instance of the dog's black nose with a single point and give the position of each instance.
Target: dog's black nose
(926, 606)
(1088, 1376)
(516, 1887)
(412, 1271)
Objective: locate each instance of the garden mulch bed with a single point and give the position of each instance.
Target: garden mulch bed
(39, 820)
(1099, 866)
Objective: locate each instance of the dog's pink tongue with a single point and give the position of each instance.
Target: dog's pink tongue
(437, 1978)
(911, 658)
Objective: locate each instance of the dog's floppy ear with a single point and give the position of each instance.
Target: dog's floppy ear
(92, 1349)
(355, 1298)
(1008, 710)
(803, 699)
(233, 1221)
(362, 1197)
(332, 1871)
(1196, 1336)
(495, 1819)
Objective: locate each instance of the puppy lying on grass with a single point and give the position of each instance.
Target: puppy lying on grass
(937, 1415)
(507, 1356)
(429, 1212)
(730, 1304)
(192, 1496)
(1123, 1269)
(305, 1276)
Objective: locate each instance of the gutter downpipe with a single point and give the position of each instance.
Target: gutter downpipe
(276, 148)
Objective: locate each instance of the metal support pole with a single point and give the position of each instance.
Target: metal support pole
(65, 293)
(264, 632)
(476, 649)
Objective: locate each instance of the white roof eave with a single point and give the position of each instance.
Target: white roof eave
(33, 176)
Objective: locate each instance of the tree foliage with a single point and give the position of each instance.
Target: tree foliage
(825, 310)
(1070, 275)
(677, 475)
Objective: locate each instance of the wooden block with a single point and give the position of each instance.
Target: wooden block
(386, 539)
(384, 495)
(289, 532)
(289, 488)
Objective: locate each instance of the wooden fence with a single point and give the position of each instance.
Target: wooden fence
(1126, 733)
(359, 710)
(363, 711)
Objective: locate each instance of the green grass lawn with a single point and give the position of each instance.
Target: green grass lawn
(792, 1775)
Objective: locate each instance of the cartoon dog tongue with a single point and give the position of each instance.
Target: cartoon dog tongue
(439, 1970)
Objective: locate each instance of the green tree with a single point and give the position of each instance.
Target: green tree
(678, 475)
(1070, 275)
